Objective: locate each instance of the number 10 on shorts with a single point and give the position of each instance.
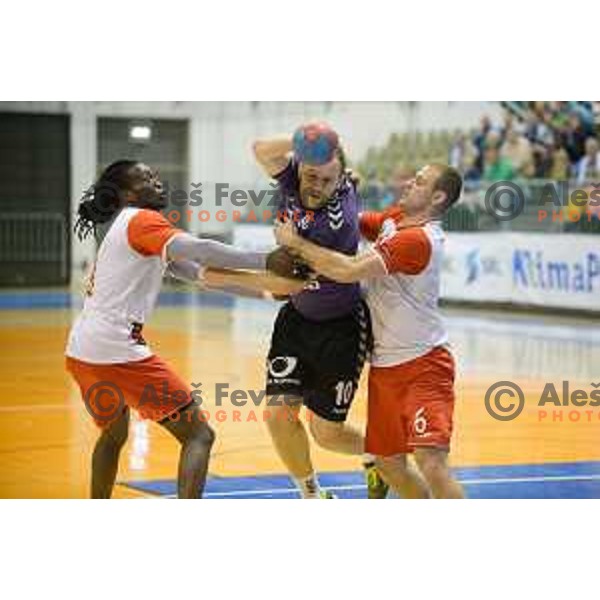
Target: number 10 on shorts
(344, 390)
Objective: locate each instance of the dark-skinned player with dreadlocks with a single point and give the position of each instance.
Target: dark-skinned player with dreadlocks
(106, 352)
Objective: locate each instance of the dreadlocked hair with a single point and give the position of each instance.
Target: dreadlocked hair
(103, 199)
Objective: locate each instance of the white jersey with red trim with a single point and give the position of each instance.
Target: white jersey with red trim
(404, 303)
(122, 290)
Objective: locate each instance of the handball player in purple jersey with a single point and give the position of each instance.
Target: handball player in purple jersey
(322, 335)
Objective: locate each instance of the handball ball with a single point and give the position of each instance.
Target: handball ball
(315, 144)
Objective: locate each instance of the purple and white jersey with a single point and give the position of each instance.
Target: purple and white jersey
(334, 226)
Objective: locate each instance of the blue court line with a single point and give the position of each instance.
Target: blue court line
(37, 300)
(548, 480)
(63, 299)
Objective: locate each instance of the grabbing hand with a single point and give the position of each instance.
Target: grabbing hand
(286, 234)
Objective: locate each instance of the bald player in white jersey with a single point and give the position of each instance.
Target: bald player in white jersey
(411, 380)
(106, 353)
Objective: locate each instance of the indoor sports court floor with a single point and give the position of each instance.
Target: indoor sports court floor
(46, 433)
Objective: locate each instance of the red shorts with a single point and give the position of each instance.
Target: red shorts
(149, 385)
(411, 404)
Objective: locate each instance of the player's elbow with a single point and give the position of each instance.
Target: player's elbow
(269, 156)
(260, 151)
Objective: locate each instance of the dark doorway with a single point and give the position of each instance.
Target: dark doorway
(34, 198)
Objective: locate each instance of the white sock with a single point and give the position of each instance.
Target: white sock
(309, 487)
(368, 459)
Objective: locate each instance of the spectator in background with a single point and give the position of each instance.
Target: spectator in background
(538, 132)
(507, 126)
(539, 107)
(372, 190)
(560, 169)
(493, 138)
(496, 167)
(542, 160)
(559, 116)
(479, 142)
(541, 139)
(585, 111)
(461, 155)
(517, 149)
(588, 168)
(574, 138)
(596, 111)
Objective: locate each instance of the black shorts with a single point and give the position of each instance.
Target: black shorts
(319, 361)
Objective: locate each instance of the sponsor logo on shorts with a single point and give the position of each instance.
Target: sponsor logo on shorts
(282, 366)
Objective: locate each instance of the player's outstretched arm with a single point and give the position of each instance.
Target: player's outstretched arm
(244, 283)
(334, 265)
(210, 253)
(185, 270)
(273, 155)
(257, 281)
